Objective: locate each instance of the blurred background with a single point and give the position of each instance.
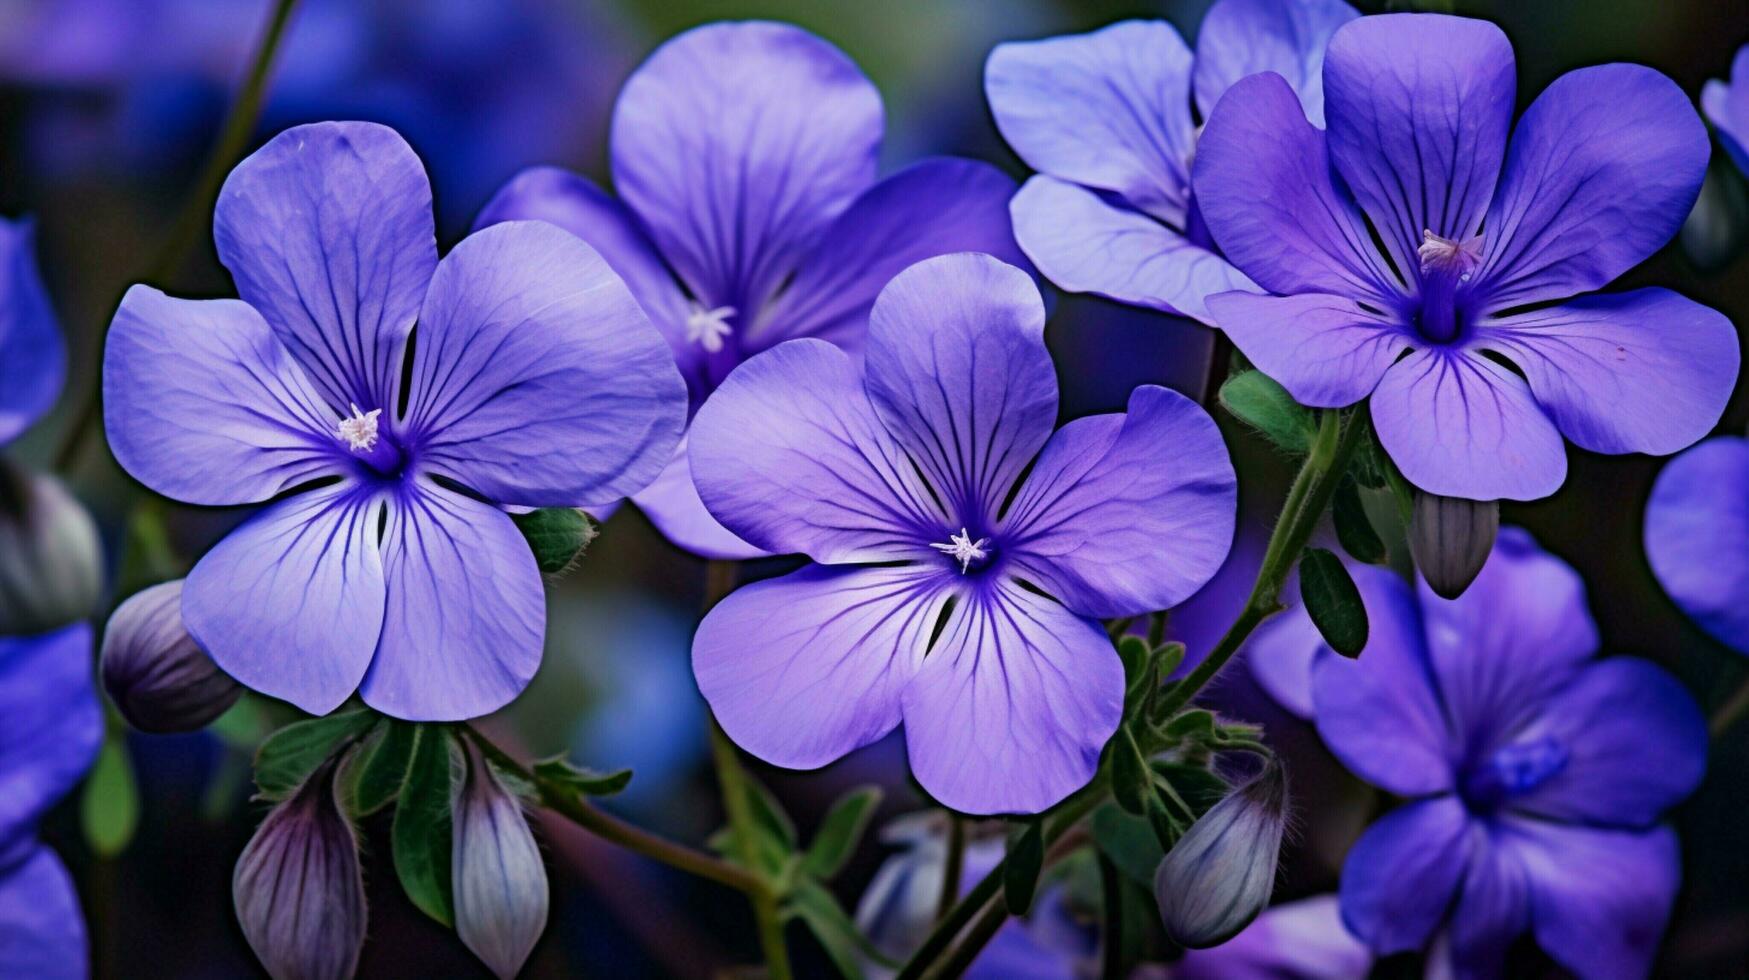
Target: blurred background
(108, 108)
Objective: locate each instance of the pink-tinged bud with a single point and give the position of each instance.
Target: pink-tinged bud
(297, 888)
(1450, 539)
(500, 883)
(1219, 875)
(50, 562)
(156, 675)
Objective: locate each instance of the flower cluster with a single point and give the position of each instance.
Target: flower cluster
(774, 352)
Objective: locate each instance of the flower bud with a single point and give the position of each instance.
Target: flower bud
(1450, 538)
(156, 675)
(1219, 875)
(500, 883)
(50, 562)
(297, 888)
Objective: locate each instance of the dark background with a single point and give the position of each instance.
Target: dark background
(107, 108)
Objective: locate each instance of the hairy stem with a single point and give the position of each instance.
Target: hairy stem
(239, 123)
(568, 804)
(719, 581)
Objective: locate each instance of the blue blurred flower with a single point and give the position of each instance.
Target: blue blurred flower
(481, 87)
(33, 357)
(1536, 774)
(52, 730)
(1727, 105)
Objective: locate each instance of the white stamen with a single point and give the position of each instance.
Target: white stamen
(360, 430)
(1438, 251)
(961, 548)
(707, 328)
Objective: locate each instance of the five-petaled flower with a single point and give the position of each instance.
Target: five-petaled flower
(531, 379)
(990, 651)
(1477, 355)
(1536, 774)
(1105, 118)
(749, 214)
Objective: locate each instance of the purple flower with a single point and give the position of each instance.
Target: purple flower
(744, 154)
(33, 357)
(902, 479)
(1697, 536)
(1416, 257)
(898, 908)
(532, 379)
(50, 738)
(1727, 105)
(1536, 775)
(1105, 118)
(1304, 938)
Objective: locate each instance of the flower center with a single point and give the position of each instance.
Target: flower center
(360, 433)
(1514, 770)
(961, 548)
(359, 430)
(1447, 265)
(709, 328)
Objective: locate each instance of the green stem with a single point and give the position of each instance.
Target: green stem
(1111, 903)
(1728, 713)
(732, 779)
(954, 867)
(568, 804)
(1306, 502)
(239, 123)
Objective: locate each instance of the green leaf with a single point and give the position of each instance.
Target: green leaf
(1128, 841)
(556, 535)
(1353, 528)
(840, 831)
(1133, 651)
(770, 815)
(1256, 400)
(1170, 655)
(1194, 723)
(1129, 771)
(587, 782)
(774, 833)
(374, 776)
(109, 808)
(1026, 858)
(1333, 602)
(292, 753)
(423, 824)
(835, 930)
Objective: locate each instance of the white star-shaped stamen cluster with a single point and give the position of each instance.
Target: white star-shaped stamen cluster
(360, 429)
(961, 548)
(707, 328)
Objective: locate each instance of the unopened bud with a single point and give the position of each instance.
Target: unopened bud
(500, 883)
(156, 675)
(297, 888)
(50, 562)
(1450, 538)
(1219, 875)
